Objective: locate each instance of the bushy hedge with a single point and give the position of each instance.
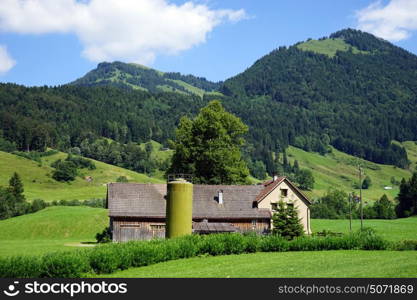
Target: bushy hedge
(109, 258)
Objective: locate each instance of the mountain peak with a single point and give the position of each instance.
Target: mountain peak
(139, 77)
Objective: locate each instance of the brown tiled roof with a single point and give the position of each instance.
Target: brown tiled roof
(148, 200)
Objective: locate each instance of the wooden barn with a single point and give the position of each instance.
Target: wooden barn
(137, 211)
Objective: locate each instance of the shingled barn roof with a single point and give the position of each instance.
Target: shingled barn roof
(148, 200)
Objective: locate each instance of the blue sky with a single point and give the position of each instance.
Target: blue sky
(50, 45)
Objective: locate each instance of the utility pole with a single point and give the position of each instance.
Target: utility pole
(350, 211)
(360, 194)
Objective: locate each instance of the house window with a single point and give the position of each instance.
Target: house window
(274, 206)
(158, 227)
(254, 224)
(284, 192)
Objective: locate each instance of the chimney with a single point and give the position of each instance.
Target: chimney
(220, 197)
(275, 177)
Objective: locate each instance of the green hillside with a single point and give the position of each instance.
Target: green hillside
(339, 170)
(54, 228)
(333, 170)
(140, 77)
(328, 47)
(38, 182)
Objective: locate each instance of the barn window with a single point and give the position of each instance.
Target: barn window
(284, 192)
(130, 225)
(254, 224)
(255, 204)
(157, 226)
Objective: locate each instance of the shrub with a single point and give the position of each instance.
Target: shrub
(20, 267)
(406, 245)
(64, 170)
(273, 243)
(105, 236)
(64, 265)
(105, 259)
(122, 179)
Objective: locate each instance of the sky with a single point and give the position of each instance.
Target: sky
(53, 42)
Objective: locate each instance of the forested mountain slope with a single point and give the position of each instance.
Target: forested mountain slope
(134, 76)
(352, 89)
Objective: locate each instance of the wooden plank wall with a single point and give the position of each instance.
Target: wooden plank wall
(127, 229)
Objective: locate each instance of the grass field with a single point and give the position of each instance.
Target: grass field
(51, 229)
(286, 264)
(339, 170)
(328, 47)
(391, 230)
(38, 182)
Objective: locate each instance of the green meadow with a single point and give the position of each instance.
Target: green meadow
(328, 47)
(51, 229)
(339, 170)
(391, 230)
(340, 263)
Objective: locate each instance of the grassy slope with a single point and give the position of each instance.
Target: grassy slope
(51, 229)
(339, 170)
(39, 184)
(391, 230)
(328, 47)
(286, 264)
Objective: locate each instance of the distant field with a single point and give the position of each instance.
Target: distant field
(391, 230)
(339, 170)
(339, 263)
(328, 47)
(38, 182)
(51, 229)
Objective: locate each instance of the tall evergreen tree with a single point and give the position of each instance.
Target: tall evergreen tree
(407, 197)
(16, 187)
(286, 222)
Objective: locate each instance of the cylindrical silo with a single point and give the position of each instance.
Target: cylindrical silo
(179, 209)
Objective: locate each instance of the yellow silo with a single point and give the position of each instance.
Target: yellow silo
(179, 209)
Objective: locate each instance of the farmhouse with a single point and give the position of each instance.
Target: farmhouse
(137, 211)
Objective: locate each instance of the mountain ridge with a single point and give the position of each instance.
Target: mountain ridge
(136, 76)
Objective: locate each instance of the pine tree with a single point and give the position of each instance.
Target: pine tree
(366, 183)
(296, 167)
(16, 187)
(407, 197)
(286, 222)
(285, 161)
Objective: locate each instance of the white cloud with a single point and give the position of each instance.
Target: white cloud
(6, 62)
(129, 30)
(394, 21)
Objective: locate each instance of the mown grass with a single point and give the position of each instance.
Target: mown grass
(51, 229)
(340, 263)
(328, 47)
(339, 170)
(391, 230)
(38, 182)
